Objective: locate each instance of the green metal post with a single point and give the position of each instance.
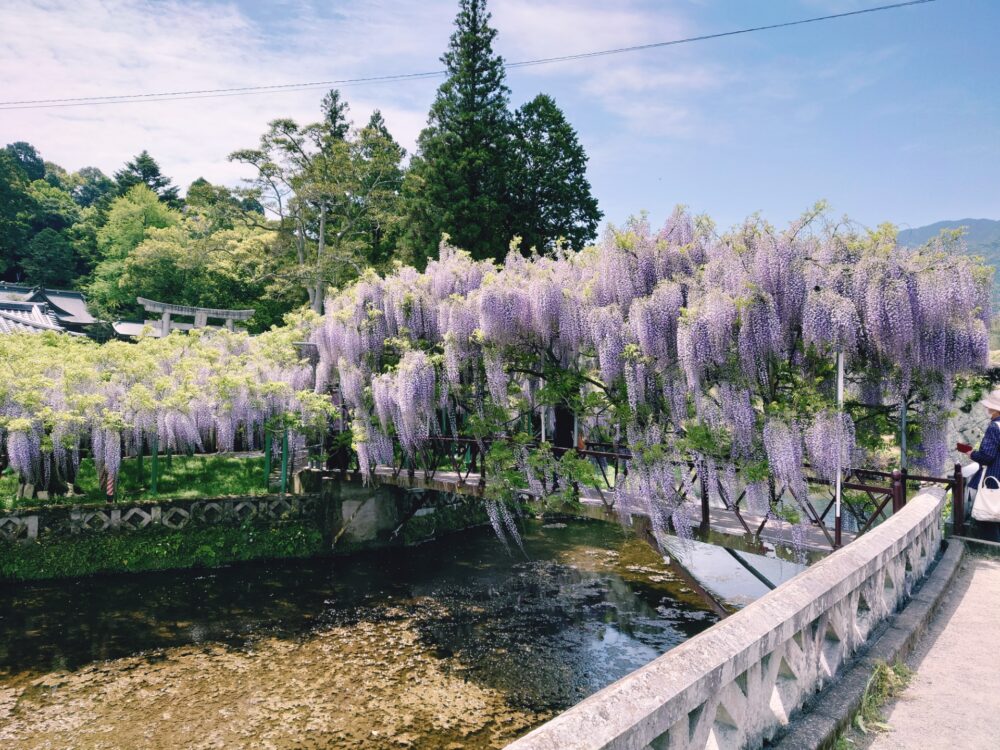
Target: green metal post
(902, 435)
(140, 463)
(155, 468)
(284, 462)
(267, 460)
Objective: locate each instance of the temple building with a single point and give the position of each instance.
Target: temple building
(36, 309)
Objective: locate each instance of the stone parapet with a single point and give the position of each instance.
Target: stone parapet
(737, 684)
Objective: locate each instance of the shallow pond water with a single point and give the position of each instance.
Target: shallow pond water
(455, 644)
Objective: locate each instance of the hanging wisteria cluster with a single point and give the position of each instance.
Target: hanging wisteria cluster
(720, 345)
(207, 391)
(683, 346)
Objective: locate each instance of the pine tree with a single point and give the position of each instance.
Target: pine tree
(551, 196)
(143, 170)
(460, 178)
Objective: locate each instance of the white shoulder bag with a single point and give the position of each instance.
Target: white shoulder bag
(987, 504)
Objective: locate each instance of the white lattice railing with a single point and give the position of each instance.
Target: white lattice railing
(29, 525)
(736, 684)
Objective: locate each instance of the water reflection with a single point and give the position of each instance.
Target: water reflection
(509, 638)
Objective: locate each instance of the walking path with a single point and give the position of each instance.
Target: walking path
(953, 701)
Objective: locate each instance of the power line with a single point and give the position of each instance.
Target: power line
(277, 88)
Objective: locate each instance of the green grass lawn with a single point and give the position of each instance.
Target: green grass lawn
(183, 476)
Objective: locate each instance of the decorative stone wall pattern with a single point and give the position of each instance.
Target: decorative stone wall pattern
(736, 684)
(28, 524)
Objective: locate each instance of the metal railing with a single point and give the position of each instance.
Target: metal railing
(884, 493)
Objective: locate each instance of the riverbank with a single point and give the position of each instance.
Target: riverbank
(458, 643)
(330, 517)
(158, 548)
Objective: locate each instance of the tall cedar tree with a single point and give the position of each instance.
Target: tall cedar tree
(143, 170)
(550, 193)
(459, 180)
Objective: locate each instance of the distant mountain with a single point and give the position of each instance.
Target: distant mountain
(982, 235)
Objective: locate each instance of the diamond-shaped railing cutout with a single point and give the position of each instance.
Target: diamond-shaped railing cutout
(212, 513)
(694, 717)
(723, 717)
(814, 628)
(888, 581)
(10, 527)
(96, 522)
(830, 651)
(244, 510)
(280, 507)
(909, 565)
(798, 638)
(741, 683)
(785, 671)
(777, 706)
(724, 733)
(863, 608)
(175, 518)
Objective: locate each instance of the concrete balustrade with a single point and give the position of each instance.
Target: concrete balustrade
(738, 683)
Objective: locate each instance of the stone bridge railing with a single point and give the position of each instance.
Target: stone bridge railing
(30, 524)
(737, 684)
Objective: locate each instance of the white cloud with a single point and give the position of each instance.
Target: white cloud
(552, 28)
(109, 47)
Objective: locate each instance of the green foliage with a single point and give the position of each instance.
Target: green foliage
(130, 219)
(157, 548)
(15, 203)
(551, 196)
(460, 182)
(53, 208)
(48, 260)
(27, 159)
(885, 683)
(144, 170)
(332, 195)
(210, 475)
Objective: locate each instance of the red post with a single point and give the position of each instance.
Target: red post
(898, 491)
(958, 502)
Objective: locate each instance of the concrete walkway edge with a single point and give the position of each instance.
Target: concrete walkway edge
(831, 710)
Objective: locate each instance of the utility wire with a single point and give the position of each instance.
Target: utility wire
(249, 90)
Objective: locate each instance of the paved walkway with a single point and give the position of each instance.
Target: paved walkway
(953, 701)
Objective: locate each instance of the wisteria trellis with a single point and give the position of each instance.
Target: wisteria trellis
(207, 391)
(685, 345)
(721, 347)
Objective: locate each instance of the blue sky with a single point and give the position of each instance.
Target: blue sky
(891, 116)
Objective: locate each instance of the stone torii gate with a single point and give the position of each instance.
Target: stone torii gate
(200, 315)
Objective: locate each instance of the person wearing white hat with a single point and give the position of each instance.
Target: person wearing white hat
(988, 456)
